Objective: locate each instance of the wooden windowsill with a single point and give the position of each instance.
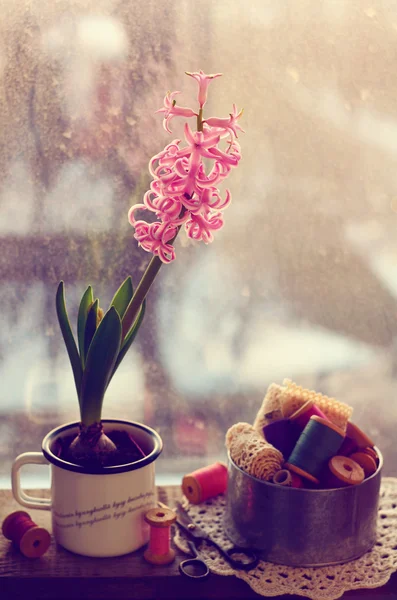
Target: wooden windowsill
(62, 575)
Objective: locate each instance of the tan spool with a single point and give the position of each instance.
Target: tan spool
(365, 461)
(283, 477)
(346, 470)
(159, 518)
(35, 541)
(301, 472)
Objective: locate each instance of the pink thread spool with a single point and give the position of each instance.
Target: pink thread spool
(32, 541)
(205, 483)
(159, 551)
(302, 416)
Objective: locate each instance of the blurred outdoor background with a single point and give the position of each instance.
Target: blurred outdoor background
(302, 280)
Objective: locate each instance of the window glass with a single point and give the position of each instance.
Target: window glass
(300, 283)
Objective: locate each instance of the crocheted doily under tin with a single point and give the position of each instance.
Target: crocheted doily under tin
(320, 583)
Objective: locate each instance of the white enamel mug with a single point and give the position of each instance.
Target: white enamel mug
(96, 512)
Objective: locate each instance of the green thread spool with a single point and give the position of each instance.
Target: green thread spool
(318, 442)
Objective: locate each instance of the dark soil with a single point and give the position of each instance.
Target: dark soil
(128, 451)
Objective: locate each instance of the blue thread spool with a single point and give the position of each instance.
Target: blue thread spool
(318, 442)
(283, 435)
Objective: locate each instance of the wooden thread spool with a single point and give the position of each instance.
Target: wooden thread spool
(159, 551)
(205, 483)
(283, 477)
(343, 471)
(287, 478)
(318, 442)
(371, 452)
(33, 541)
(365, 461)
(359, 437)
(301, 416)
(348, 447)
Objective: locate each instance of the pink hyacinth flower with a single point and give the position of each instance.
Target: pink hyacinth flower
(183, 190)
(154, 237)
(171, 110)
(201, 226)
(229, 124)
(203, 80)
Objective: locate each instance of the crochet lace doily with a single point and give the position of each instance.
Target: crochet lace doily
(321, 583)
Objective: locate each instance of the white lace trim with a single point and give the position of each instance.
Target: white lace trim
(322, 583)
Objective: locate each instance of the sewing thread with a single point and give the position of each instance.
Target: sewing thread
(159, 551)
(301, 416)
(362, 440)
(283, 435)
(33, 541)
(318, 442)
(366, 461)
(205, 483)
(342, 472)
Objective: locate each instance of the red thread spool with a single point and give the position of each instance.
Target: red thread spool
(32, 541)
(359, 437)
(160, 521)
(343, 472)
(371, 452)
(205, 483)
(301, 416)
(366, 462)
(348, 447)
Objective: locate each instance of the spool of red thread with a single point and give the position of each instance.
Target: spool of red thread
(159, 551)
(359, 437)
(371, 452)
(301, 416)
(348, 447)
(205, 483)
(343, 472)
(33, 541)
(366, 462)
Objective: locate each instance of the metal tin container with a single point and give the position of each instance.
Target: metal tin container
(302, 527)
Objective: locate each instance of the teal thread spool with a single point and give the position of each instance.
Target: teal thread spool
(318, 442)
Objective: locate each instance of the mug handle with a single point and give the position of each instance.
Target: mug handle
(27, 458)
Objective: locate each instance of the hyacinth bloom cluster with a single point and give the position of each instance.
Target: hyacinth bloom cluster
(184, 191)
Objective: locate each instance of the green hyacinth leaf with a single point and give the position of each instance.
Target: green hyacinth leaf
(90, 328)
(85, 304)
(68, 337)
(130, 337)
(100, 361)
(123, 297)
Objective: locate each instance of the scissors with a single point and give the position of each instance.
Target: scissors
(238, 558)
